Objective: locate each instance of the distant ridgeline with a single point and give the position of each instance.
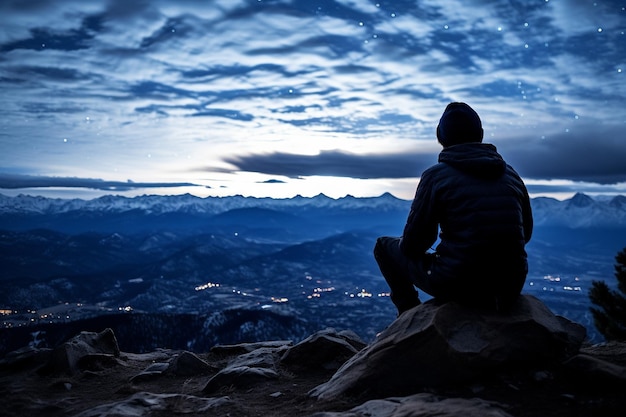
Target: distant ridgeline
(261, 267)
(187, 212)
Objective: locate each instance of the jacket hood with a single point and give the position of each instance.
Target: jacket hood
(477, 159)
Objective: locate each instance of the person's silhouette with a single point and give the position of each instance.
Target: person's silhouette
(481, 209)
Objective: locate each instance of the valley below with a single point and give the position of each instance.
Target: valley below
(241, 274)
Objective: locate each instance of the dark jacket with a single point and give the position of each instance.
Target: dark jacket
(481, 208)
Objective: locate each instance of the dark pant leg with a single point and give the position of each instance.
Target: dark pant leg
(423, 276)
(395, 268)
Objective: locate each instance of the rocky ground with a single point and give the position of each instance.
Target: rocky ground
(531, 393)
(25, 392)
(88, 376)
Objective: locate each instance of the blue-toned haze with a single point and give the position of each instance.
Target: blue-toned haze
(279, 98)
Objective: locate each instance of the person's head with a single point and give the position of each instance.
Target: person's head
(459, 124)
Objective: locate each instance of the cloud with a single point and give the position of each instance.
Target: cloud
(16, 181)
(335, 163)
(587, 153)
(571, 187)
(244, 81)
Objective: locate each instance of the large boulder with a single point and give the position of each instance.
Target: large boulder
(440, 344)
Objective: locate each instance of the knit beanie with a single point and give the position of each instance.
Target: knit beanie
(459, 124)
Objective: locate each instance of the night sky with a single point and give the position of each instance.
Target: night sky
(279, 98)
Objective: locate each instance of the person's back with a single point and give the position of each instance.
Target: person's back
(482, 210)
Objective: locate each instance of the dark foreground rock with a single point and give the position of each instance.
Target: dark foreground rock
(423, 405)
(439, 345)
(435, 360)
(85, 347)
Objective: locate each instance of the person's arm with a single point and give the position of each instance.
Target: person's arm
(527, 216)
(420, 231)
(527, 213)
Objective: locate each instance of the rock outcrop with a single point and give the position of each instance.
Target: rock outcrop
(434, 345)
(326, 349)
(82, 351)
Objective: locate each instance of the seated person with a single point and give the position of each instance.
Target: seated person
(481, 209)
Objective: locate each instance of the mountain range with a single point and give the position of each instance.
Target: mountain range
(579, 211)
(252, 268)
